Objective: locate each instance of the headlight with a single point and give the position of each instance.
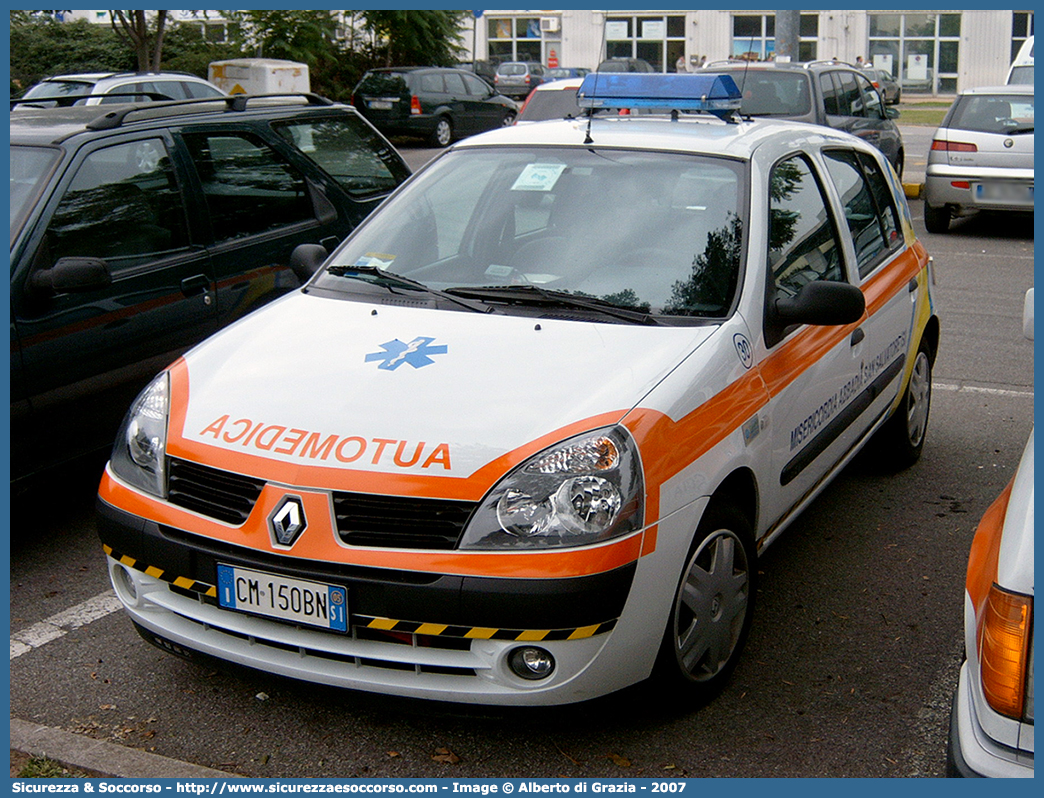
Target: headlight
(139, 454)
(585, 490)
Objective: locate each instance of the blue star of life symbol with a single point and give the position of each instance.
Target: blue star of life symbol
(416, 353)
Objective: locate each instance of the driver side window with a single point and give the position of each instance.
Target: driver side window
(803, 242)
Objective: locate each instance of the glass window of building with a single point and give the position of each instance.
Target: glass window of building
(754, 37)
(522, 38)
(921, 50)
(657, 39)
(1021, 29)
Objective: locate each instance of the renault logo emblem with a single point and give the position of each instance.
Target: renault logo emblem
(287, 522)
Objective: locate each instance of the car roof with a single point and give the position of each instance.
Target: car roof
(699, 134)
(1012, 88)
(51, 126)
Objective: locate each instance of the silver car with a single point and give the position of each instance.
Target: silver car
(981, 156)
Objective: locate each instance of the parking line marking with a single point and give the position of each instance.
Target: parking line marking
(64, 622)
(947, 386)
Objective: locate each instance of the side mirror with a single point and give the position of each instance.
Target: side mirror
(72, 274)
(821, 302)
(306, 259)
(1027, 315)
(892, 113)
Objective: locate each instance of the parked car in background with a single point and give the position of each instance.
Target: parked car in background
(97, 88)
(557, 73)
(981, 157)
(487, 70)
(1021, 70)
(886, 84)
(518, 78)
(523, 436)
(823, 93)
(554, 100)
(991, 724)
(435, 103)
(625, 65)
(138, 232)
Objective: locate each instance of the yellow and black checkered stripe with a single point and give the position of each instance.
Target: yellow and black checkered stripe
(482, 632)
(390, 624)
(158, 573)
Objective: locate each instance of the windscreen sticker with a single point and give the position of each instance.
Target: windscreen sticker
(495, 270)
(539, 177)
(376, 260)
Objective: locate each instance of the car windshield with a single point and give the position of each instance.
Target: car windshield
(349, 151)
(655, 233)
(29, 168)
(994, 113)
(1021, 75)
(768, 93)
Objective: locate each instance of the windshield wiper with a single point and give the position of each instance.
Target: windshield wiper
(534, 295)
(392, 281)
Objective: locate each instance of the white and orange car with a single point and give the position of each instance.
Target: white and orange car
(522, 437)
(991, 725)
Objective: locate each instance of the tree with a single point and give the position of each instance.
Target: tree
(415, 38)
(133, 27)
(292, 35)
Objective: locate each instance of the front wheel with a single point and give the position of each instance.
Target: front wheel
(713, 606)
(442, 135)
(508, 120)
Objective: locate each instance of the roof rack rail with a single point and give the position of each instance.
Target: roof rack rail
(827, 61)
(233, 102)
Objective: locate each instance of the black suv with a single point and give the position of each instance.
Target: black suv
(821, 92)
(137, 233)
(436, 103)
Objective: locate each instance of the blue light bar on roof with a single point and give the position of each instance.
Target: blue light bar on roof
(709, 92)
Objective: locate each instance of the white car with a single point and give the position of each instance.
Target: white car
(991, 726)
(98, 88)
(523, 436)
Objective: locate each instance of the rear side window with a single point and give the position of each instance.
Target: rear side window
(431, 84)
(869, 210)
(349, 151)
(122, 205)
(249, 189)
(803, 243)
(849, 98)
(454, 84)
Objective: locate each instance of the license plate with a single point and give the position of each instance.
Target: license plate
(380, 105)
(1018, 193)
(282, 597)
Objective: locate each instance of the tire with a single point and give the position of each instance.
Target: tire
(442, 135)
(712, 608)
(936, 220)
(508, 120)
(900, 441)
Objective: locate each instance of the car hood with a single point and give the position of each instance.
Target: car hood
(349, 386)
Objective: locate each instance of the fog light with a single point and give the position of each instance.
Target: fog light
(531, 662)
(124, 583)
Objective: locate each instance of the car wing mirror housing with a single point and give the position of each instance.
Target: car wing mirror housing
(821, 302)
(1027, 315)
(72, 274)
(306, 259)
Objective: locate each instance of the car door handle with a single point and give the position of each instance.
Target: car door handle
(197, 284)
(912, 285)
(857, 336)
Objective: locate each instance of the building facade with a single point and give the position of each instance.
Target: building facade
(929, 52)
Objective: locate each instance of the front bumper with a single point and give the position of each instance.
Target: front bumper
(970, 753)
(445, 637)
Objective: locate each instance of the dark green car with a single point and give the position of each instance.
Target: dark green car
(137, 233)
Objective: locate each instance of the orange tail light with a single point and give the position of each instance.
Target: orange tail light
(1004, 633)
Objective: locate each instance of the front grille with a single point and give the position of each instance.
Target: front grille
(217, 494)
(400, 522)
